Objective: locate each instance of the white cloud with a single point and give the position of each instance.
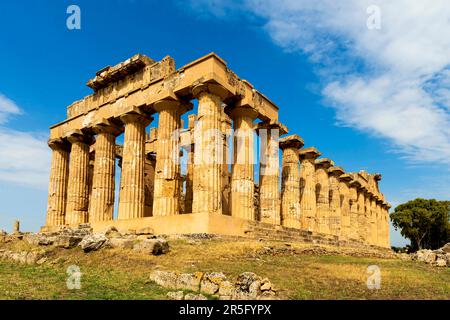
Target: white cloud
(7, 107)
(393, 82)
(24, 156)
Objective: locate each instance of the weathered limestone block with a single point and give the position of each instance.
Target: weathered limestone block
(269, 173)
(192, 296)
(93, 242)
(189, 281)
(152, 246)
(57, 188)
(211, 282)
(242, 184)
(346, 202)
(78, 187)
(290, 183)
(308, 201)
(132, 190)
(335, 200)
(166, 279)
(208, 150)
(323, 194)
(167, 174)
(103, 182)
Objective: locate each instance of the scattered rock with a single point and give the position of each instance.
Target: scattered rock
(189, 281)
(211, 282)
(121, 243)
(152, 246)
(166, 279)
(93, 242)
(111, 232)
(145, 231)
(67, 241)
(175, 295)
(247, 286)
(192, 296)
(441, 262)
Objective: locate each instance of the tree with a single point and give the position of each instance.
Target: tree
(424, 222)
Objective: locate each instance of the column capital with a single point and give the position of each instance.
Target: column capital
(336, 171)
(292, 141)
(136, 115)
(355, 184)
(169, 104)
(324, 163)
(243, 112)
(78, 136)
(106, 126)
(345, 178)
(58, 144)
(209, 87)
(270, 125)
(309, 153)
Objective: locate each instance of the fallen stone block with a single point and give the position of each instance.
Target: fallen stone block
(166, 279)
(121, 243)
(193, 296)
(152, 246)
(189, 281)
(176, 295)
(93, 242)
(211, 282)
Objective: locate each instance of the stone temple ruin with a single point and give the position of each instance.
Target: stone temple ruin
(309, 198)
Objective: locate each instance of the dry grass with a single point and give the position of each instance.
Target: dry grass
(115, 274)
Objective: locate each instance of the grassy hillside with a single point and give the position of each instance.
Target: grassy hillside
(116, 274)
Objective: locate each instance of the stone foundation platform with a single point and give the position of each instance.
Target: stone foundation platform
(218, 224)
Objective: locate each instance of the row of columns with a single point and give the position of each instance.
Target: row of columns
(315, 195)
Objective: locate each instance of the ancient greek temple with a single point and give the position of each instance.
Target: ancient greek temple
(211, 164)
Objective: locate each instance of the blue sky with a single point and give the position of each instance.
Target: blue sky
(377, 100)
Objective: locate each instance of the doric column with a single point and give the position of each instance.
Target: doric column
(269, 172)
(242, 168)
(387, 240)
(167, 174)
(345, 205)
(367, 217)
(57, 190)
(103, 182)
(308, 201)
(189, 193)
(290, 181)
(323, 194)
(373, 219)
(335, 200)
(226, 176)
(132, 193)
(354, 233)
(380, 223)
(362, 221)
(78, 188)
(208, 154)
(149, 182)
